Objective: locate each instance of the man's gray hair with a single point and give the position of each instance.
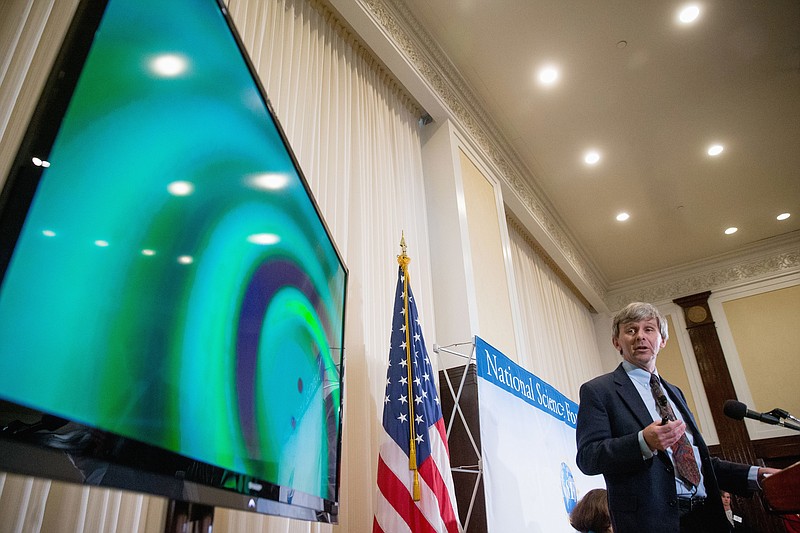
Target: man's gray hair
(636, 311)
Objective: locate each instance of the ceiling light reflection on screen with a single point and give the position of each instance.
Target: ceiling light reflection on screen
(270, 181)
(186, 259)
(40, 162)
(180, 188)
(252, 100)
(169, 65)
(148, 252)
(101, 243)
(48, 233)
(264, 239)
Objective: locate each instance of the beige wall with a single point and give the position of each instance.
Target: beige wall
(491, 282)
(756, 324)
(764, 328)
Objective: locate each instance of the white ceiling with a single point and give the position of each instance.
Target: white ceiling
(651, 107)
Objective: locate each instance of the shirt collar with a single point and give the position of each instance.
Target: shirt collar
(636, 373)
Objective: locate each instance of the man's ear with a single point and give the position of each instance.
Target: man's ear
(615, 342)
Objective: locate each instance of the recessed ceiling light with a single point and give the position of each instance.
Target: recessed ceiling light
(548, 75)
(715, 150)
(731, 230)
(622, 217)
(591, 157)
(783, 216)
(688, 14)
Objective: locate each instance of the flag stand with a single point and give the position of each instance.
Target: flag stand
(476, 469)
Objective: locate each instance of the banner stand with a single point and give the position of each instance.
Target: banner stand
(476, 469)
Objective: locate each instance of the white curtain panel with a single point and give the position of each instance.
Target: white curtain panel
(30, 34)
(558, 339)
(29, 505)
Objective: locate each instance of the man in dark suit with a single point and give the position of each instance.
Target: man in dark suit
(636, 429)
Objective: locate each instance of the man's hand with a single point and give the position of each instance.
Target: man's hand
(660, 437)
(765, 472)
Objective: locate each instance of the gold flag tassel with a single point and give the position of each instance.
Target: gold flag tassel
(404, 260)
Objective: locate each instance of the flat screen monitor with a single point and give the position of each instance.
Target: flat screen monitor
(172, 301)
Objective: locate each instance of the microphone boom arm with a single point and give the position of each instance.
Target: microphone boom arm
(776, 417)
(789, 424)
(785, 419)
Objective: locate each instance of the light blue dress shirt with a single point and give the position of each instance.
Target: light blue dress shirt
(641, 380)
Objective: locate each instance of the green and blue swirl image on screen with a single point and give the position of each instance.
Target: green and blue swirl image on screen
(173, 282)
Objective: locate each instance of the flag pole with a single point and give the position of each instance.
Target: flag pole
(415, 482)
(403, 260)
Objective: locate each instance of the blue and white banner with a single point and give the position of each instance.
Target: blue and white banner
(531, 481)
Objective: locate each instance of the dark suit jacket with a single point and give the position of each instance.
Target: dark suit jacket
(641, 494)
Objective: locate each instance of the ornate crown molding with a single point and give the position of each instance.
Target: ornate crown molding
(776, 258)
(421, 51)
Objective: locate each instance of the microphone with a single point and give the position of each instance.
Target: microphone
(738, 411)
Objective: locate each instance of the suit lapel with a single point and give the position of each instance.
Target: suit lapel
(630, 396)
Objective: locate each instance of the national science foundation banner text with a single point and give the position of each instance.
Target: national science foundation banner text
(528, 448)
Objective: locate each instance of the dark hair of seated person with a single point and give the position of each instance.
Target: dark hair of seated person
(591, 513)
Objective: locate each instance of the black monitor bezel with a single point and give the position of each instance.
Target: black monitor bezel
(29, 457)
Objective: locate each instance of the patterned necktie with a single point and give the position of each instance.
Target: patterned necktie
(682, 454)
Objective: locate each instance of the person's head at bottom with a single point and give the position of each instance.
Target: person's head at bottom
(591, 513)
(726, 499)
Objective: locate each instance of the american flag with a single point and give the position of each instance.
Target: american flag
(415, 485)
